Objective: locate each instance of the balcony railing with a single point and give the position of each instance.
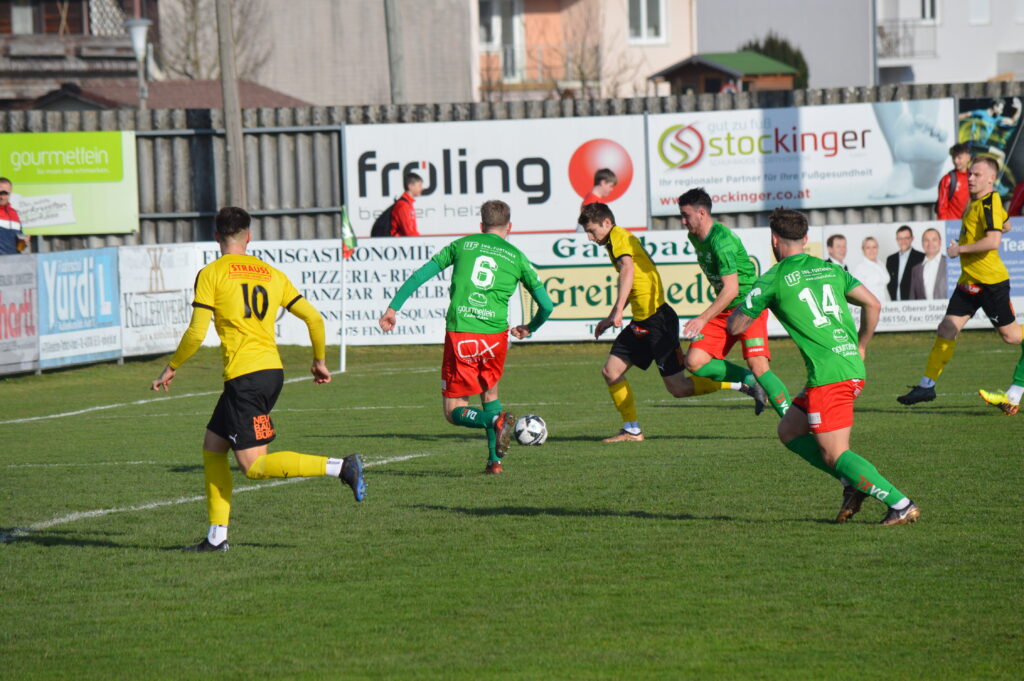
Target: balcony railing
(906, 38)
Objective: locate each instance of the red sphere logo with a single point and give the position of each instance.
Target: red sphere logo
(594, 155)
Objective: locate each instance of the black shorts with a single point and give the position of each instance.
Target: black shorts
(994, 299)
(655, 339)
(242, 414)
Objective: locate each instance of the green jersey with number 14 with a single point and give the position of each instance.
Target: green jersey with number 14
(808, 295)
(486, 271)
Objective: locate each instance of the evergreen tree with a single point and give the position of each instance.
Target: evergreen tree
(780, 49)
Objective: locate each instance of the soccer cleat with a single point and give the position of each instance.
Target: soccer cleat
(503, 427)
(625, 436)
(206, 547)
(352, 475)
(904, 516)
(493, 467)
(852, 499)
(999, 400)
(759, 395)
(917, 394)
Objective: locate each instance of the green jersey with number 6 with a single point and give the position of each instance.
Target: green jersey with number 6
(808, 295)
(486, 271)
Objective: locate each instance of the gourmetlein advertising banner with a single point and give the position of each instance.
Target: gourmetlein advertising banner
(543, 168)
(808, 157)
(72, 182)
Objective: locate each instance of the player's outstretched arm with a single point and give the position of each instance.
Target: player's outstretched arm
(993, 238)
(870, 311)
(544, 309)
(190, 342)
(305, 311)
(739, 322)
(421, 276)
(614, 318)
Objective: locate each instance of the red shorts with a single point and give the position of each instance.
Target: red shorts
(829, 407)
(473, 362)
(717, 340)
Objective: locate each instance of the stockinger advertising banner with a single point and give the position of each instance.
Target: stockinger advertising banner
(79, 311)
(541, 167)
(72, 182)
(808, 157)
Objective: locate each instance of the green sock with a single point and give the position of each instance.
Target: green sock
(1018, 373)
(720, 370)
(866, 478)
(471, 418)
(777, 393)
(494, 408)
(807, 447)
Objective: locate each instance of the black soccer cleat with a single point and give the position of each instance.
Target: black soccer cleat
(759, 395)
(206, 547)
(852, 499)
(352, 475)
(904, 516)
(917, 394)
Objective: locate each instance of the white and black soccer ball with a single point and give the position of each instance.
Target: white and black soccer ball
(531, 430)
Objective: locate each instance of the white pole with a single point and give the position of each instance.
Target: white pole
(341, 320)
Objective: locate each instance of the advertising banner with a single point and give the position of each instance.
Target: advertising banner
(19, 340)
(802, 157)
(156, 295)
(79, 311)
(543, 168)
(72, 182)
(991, 127)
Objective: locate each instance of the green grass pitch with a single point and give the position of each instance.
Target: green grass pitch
(706, 552)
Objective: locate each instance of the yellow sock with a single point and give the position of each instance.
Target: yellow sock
(218, 486)
(705, 386)
(287, 465)
(941, 353)
(622, 396)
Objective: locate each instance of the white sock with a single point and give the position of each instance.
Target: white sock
(927, 383)
(1014, 393)
(901, 504)
(334, 467)
(217, 535)
(631, 427)
(735, 386)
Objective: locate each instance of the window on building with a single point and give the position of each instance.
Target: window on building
(500, 32)
(928, 9)
(646, 20)
(486, 21)
(52, 17)
(979, 12)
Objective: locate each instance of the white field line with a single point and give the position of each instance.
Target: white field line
(81, 515)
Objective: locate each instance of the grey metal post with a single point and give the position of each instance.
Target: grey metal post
(232, 109)
(396, 55)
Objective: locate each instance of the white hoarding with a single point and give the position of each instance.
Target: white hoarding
(541, 167)
(808, 157)
(19, 329)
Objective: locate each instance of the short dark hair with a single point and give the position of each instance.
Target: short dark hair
(959, 148)
(4, 179)
(989, 161)
(231, 220)
(905, 228)
(832, 239)
(788, 224)
(596, 213)
(932, 229)
(696, 197)
(410, 179)
(495, 214)
(605, 175)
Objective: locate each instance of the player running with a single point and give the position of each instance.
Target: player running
(243, 294)
(984, 280)
(724, 261)
(486, 271)
(809, 296)
(652, 335)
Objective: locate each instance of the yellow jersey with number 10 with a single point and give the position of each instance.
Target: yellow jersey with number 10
(983, 216)
(245, 295)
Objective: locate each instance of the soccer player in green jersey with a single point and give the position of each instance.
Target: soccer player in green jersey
(724, 261)
(809, 297)
(486, 271)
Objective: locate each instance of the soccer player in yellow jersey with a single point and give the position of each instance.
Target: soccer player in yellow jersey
(653, 333)
(984, 282)
(242, 295)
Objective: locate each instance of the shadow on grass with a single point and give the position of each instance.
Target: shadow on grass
(186, 468)
(591, 438)
(14, 535)
(461, 434)
(935, 410)
(558, 511)
(419, 473)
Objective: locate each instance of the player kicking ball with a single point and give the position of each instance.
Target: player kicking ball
(809, 297)
(242, 295)
(486, 271)
(653, 333)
